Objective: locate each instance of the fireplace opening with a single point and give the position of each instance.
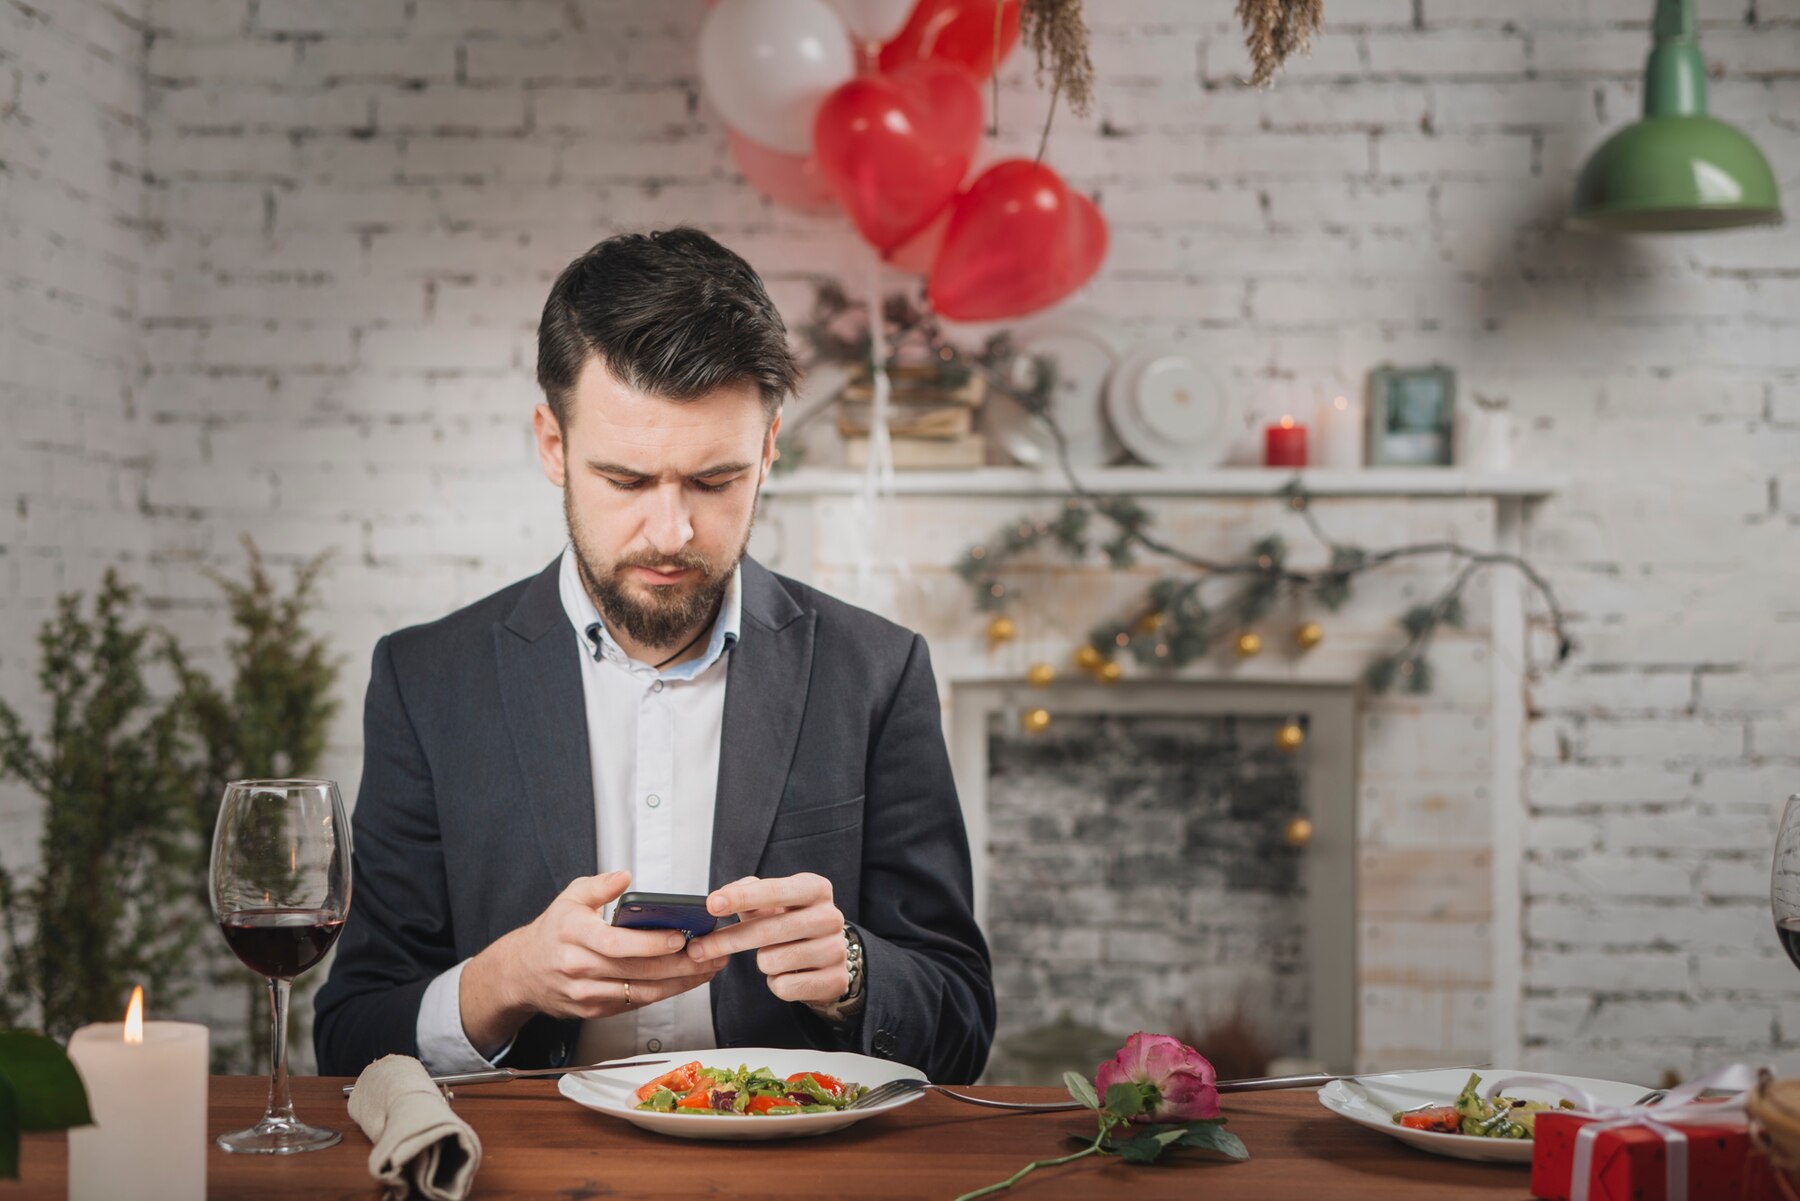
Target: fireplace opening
(1162, 858)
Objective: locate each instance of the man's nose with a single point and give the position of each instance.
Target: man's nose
(668, 527)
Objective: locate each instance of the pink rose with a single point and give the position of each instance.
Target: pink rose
(1182, 1078)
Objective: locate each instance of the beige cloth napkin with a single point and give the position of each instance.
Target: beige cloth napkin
(422, 1149)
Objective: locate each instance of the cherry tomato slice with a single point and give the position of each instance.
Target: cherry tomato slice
(680, 1081)
(830, 1084)
(1445, 1119)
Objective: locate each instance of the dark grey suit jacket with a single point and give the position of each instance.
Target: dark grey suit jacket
(477, 808)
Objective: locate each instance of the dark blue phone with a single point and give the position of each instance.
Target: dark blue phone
(681, 911)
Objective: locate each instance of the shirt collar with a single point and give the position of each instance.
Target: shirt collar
(591, 631)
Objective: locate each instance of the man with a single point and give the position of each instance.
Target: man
(656, 711)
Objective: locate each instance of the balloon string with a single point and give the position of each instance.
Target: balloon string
(1044, 142)
(880, 467)
(994, 125)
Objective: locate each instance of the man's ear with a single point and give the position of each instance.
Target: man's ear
(770, 454)
(552, 451)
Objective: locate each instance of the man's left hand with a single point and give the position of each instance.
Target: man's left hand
(794, 928)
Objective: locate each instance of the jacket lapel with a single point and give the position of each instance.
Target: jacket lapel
(765, 698)
(540, 692)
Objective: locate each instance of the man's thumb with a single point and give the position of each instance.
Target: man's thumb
(595, 891)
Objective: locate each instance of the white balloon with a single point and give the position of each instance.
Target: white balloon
(767, 65)
(873, 20)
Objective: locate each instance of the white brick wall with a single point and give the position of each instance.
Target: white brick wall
(72, 248)
(356, 208)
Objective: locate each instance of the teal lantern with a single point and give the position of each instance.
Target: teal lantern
(1677, 169)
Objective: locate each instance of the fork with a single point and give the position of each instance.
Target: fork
(893, 1090)
(497, 1075)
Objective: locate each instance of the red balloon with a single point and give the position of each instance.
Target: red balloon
(790, 179)
(1019, 240)
(957, 31)
(895, 147)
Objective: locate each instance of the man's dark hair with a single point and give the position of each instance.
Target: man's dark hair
(671, 313)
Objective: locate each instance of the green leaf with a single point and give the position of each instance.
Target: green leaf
(1081, 1089)
(46, 1089)
(1142, 1149)
(1208, 1136)
(1125, 1099)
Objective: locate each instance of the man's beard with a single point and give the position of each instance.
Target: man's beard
(660, 618)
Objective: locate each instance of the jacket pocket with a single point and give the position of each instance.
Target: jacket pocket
(818, 819)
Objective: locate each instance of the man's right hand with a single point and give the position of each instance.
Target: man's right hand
(571, 963)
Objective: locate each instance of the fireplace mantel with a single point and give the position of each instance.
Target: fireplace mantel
(1150, 481)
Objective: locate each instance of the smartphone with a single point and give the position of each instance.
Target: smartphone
(683, 911)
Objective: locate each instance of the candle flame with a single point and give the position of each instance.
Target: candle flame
(1287, 423)
(1340, 404)
(134, 1016)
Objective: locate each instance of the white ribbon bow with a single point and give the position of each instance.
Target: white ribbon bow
(1681, 1106)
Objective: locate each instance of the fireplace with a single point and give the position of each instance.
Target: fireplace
(1409, 892)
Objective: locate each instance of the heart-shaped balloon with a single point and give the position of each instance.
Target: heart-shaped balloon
(1019, 240)
(895, 147)
(955, 31)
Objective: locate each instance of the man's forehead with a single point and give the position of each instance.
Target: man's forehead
(604, 395)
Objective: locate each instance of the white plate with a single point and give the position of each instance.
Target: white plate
(1085, 346)
(1168, 410)
(1372, 1101)
(614, 1092)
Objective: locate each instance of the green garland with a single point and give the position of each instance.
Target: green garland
(1173, 625)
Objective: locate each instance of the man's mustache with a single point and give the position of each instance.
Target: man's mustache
(686, 560)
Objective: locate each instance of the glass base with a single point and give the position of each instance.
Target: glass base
(273, 1136)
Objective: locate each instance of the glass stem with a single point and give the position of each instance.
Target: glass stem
(281, 1105)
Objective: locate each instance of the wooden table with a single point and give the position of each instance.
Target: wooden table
(537, 1145)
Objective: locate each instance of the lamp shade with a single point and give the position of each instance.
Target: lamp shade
(1677, 168)
(1676, 173)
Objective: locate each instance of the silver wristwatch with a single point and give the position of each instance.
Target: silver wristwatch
(851, 1003)
(853, 960)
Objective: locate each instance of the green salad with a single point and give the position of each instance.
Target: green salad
(1479, 1116)
(745, 1092)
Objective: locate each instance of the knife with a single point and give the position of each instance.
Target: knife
(495, 1075)
(1318, 1080)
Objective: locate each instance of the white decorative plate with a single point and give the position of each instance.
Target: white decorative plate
(1372, 1101)
(1168, 410)
(1085, 346)
(614, 1093)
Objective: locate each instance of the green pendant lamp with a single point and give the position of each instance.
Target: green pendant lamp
(1677, 169)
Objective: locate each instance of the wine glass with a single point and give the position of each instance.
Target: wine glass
(280, 892)
(1784, 881)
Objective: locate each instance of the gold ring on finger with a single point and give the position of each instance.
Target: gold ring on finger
(628, 994)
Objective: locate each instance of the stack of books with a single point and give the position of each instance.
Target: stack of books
(930, 425)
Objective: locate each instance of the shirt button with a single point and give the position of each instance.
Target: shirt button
(653, 800)
(656, 687)
(654, 1044)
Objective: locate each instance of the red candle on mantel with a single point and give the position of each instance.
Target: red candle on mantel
(1284, 445)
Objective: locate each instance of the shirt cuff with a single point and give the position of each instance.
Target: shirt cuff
(443, 1046)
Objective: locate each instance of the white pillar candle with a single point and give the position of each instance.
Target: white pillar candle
(1340, 426)
(148, 1101)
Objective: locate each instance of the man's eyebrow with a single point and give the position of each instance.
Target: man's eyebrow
(636, 473)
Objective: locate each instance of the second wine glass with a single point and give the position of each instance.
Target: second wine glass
(280, 885)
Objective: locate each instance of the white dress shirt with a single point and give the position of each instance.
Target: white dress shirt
(653, 747)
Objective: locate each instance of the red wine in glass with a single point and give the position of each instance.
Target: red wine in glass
(280, 893)
(280, 942)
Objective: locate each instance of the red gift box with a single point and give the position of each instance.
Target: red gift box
(1631, 1162)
